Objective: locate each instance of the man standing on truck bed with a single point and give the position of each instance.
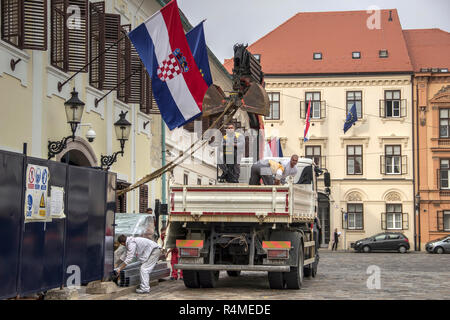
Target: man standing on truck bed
(266, 169)
(232, 149)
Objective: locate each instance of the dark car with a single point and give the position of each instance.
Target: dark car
(389, 241)
(441, 245)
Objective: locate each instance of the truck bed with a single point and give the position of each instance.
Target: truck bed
(288, 203)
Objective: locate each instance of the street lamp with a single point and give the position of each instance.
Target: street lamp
(122, 128)
(74, 111)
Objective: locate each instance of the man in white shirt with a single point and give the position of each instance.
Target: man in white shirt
(267, 169)
(146, 251)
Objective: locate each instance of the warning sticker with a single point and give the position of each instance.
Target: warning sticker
(36, 204)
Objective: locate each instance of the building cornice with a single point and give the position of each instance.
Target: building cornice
(352, 139)
(297, 83)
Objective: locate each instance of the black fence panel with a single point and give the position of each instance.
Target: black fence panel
(96, 231)
(110, 224)
(43, 243)
(11, 217)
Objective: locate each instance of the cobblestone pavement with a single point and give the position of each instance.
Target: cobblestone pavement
(341, 275)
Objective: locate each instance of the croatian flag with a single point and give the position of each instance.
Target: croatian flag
(308, 123)
(178, 85)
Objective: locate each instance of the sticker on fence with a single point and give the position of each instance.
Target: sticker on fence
(36, 202)
(57, 203)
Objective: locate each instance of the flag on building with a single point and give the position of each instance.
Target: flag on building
(352, 117)
(280, 150)
(308, 123)
(262, 140)
(178, 85)
(197, 43)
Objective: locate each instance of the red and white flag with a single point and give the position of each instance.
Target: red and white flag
(308, 123)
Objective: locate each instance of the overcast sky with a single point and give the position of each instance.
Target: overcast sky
(245, 21)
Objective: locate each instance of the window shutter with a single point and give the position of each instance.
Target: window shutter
(323, 109)
(12, 22)
(405, 221)
(344, 221)
(382, 109)
(440, 221)
(302, 109)
(69, 49)
(136, 78)
(96, 39)
(110, 60)
(382, 164)
(35, 25)
(403, 109)
(404, 164)
(58, 50)
(123, 92)
(77, 43)
(383, 221)
(143, 198)
(145, 92)
(24, 23)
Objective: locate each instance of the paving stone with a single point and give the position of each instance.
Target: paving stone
(341, 275)
(62, 294)
(98, 287)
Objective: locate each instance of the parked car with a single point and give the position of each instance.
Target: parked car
(387, 241)
(440, 245)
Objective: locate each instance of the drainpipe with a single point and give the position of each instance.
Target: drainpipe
(415, 111)
(418, 166)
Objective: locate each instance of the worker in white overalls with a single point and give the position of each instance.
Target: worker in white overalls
(268, 169)
(146, 251)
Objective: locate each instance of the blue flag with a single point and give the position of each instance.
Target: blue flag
(196, 41)
(352, 117)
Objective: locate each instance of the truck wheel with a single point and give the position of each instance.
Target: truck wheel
(276, 280)
(294, 278)
(311, 270)
(234, 273)
(190, 278)
(208, 279)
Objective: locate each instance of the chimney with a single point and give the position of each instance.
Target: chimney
(390, 15)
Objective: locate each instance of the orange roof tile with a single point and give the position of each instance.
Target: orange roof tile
(428, 48)
(289, 48)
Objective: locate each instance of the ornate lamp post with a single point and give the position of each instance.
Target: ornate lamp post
(74, 111)
(122, 128)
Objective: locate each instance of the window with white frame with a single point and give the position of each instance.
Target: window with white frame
(446, 220)
(394, 216)
(274, 99)
(444, 173)
(392, 103)
(314, 153)
(355, 216)
(314, 97)
(393, 159)
(444, 122)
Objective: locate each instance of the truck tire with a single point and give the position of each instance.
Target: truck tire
(234, 273)
(190, 278)
(294, 278)
(208, 279)
(311, 270)
(276, 280)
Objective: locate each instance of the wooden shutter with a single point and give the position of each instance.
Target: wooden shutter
(382, 107)
(405, 221)
(143, 198)
(77, 38)
(34, 24)
(344, 217)
(323, 109)
(96, 41)
(440, 221)
(110, 59)
(123, 92)
(303, 110)
(146, 94)
(58, 54)
(69, 45)
(383, 221)
(136, 78)
(12, 22)
(24, 23)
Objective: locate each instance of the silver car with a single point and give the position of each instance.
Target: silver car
(441, 245)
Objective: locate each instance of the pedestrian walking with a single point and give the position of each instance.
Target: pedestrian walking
(336, 239)
(146, 251)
